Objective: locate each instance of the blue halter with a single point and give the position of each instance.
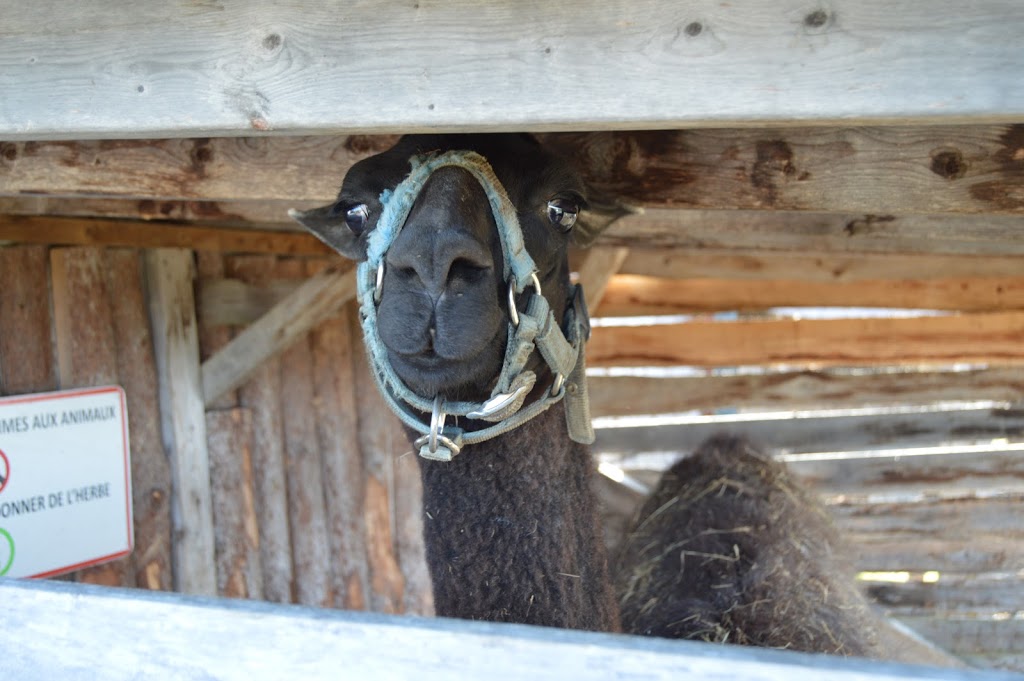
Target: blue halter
(534, 328)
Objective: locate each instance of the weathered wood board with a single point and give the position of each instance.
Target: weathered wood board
(113, 631)
(795, 433)
(621, 394)
(27, 358)
(856, 181)
(237, 68)
(169, 275)
(632, 295)
(896, 341)
(87, 349)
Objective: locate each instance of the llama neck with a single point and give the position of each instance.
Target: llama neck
(511, 531)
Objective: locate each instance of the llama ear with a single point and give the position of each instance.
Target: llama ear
(327, 225)
(601, 212)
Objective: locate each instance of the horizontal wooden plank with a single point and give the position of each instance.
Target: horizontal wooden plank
(810, 432)
(870, 477)
(625, 395)
(926, 170)
(632, 295)
(832, 231)
(279, 66)
(103, 232)
(858, 185)
(268, 214)
(1008, 661)
(982, 553)
(942, 534)
(951, 595)
(113, 631)
(839, 265)
(967, 636)
(968, 338)
(949, 519)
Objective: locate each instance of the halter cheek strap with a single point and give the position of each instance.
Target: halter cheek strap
(530, 329)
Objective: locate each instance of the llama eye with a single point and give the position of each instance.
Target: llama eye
(563, 213)
(355, 218)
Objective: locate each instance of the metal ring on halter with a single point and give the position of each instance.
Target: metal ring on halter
(556, 386)
(513, 313)
(435, 437)
(437, 418)
(378, 288)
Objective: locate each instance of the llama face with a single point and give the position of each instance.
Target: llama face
(443, 313)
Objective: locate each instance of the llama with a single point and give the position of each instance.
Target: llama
(511, 528)
(752, 559)
(510, 524)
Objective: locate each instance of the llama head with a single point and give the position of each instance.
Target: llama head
(443, 313)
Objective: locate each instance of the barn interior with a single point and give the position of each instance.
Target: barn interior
(820, 250)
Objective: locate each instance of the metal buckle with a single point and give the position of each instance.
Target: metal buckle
(513, 313)
(498, 403)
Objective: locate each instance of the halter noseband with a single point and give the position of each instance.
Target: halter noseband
(529, 329)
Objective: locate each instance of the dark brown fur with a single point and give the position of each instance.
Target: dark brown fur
(512, 535)
(730, 548)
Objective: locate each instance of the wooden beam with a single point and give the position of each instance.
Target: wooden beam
(955, 594)
(307, 513)
(261, 394)
(781, 390)
(935, 170)
(314, 301)
(335, 412)
(832, 231)
(137, 372)
(815, 266)
(978, 338)
(86, 351)
(169, 274)
(271, 214)
(275, 68)
(632, 295)
(875, 477)
(27, 359)
(102, 232)
(114, 631)
(862, 430)
(855, 182)
(236, 531)
(971, 636)
(596, 270)
(381, 440)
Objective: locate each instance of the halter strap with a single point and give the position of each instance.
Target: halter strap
(536, 327)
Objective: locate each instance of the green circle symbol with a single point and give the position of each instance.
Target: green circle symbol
(4, 534)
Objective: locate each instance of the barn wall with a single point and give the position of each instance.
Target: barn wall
(310, 502)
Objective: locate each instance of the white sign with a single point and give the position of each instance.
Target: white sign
(65, 481)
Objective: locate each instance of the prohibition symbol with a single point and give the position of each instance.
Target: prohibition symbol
(6, 551)
(5, 470)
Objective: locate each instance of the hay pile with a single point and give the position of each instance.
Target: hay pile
(730, 548)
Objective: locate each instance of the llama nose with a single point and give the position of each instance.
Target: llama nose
(452, 261)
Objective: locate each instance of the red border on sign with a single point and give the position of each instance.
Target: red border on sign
(39, 397)
(7, 470)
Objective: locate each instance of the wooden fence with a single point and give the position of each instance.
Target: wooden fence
(103, 634)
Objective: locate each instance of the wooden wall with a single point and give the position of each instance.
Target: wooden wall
(736, 224)
(309, 499)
